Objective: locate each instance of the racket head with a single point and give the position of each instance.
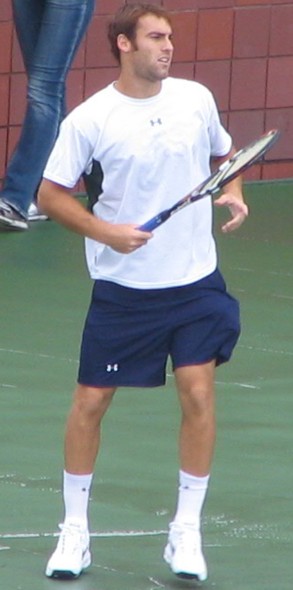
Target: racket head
(236, 165)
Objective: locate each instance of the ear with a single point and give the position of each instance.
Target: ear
(123, 43)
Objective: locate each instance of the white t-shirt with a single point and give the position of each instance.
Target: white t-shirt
(152, 152)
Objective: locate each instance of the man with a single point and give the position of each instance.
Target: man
(155, 294)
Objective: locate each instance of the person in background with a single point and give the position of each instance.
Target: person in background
(49, 34)
(155, 295)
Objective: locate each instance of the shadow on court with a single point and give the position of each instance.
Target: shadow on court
(248, 534)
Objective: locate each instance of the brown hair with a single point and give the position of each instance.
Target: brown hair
(126, 19)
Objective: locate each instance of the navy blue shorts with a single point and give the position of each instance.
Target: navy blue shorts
(130, 333)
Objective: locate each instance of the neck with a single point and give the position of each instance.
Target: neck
(138, 88)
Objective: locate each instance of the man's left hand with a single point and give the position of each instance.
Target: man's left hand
(237, 208)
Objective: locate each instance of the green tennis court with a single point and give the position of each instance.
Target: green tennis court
(248, 525)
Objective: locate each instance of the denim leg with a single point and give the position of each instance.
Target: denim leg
(48, 59)
(27, 17)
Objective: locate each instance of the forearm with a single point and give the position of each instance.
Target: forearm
(232, 198)
(58, 203)
(235, 186)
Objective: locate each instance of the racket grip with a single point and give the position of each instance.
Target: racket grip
(151, 224)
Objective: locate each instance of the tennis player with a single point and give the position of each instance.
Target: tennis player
(155, 295)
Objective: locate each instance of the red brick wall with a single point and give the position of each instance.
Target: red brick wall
(241, 49)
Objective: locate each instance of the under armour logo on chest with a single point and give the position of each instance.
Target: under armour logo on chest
(154, 122)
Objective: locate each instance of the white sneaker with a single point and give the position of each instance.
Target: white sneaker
(72, 554)
(183, 552)
(34, 214)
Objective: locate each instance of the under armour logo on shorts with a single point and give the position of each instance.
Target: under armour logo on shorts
(112, 368)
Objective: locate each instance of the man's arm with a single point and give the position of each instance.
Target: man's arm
(232, 197)
(59, 204)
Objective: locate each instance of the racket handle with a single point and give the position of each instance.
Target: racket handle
(154, 222)
(150, 225)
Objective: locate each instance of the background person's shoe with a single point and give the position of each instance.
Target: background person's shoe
(10, 219)
(34, 214)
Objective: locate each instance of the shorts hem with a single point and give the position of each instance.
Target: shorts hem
(122, 384)
(219, 360)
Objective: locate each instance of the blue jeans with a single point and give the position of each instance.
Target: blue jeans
(49, 34)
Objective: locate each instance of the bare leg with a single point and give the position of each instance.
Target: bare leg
(82, 440)
(197, 433)
(82, 437)
(195, 386)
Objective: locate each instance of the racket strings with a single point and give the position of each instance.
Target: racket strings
(239, 162)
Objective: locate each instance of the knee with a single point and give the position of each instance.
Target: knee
(197, 402)
(44, 91)
(92, 402)
(195, 386)
(199, 396)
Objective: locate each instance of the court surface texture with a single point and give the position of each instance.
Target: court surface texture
(248, 522)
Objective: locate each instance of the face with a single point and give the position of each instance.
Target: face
(151, 53)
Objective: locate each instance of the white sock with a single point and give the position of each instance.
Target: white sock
(76, 491)
(191, 496)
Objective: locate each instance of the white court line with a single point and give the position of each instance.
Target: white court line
(230, 383)
(277, 273)
(71, 360)
(38, 355)
(157, 584)
(265, 350)
(280, 296)
(244, 385)
(101, 534)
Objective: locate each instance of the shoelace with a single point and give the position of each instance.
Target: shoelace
(70, 539)
(187, 537)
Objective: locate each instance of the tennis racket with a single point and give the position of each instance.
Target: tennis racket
(229, 170)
